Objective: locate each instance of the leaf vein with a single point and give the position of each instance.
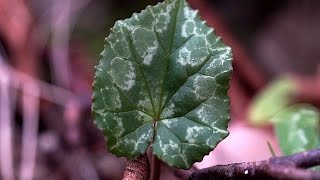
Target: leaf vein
(169, 98)
(168, 60)
(140, 68)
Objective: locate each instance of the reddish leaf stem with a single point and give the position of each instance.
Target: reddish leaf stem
(155, 168)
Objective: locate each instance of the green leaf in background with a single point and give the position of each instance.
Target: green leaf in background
(297, 129)
(163, 81)
(274, 98)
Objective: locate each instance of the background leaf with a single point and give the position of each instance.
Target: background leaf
(274, 98)
(163, 81)
(297, 129)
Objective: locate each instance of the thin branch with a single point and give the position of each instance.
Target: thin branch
(301, 160)
(30, 131)
(137, 169)
(63, 16)
(286, 167)
(60, 42)
(6, 109)
(48, 92)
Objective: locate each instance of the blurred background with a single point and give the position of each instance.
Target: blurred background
(48, 50)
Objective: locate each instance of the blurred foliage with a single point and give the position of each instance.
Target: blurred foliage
(271, 100)
(297, 128)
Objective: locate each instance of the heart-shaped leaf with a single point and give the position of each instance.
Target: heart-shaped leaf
(163, 81)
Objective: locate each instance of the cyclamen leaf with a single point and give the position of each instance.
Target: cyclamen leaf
(274, 98)
(297, 128)
(163, 81)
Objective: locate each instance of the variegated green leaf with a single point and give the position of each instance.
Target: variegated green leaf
(162, 81)
(297, 129)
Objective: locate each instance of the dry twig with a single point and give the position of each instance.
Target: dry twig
(6, 110)
(48, 92)
(30, 131)
(286, 167)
